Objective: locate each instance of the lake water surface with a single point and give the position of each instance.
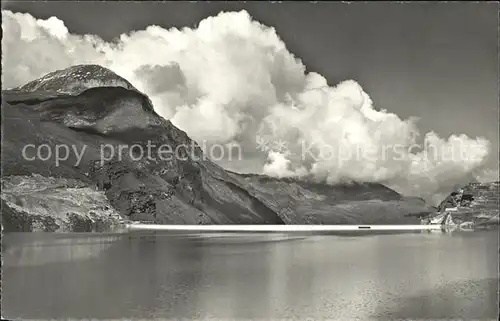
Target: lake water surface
(251, 276)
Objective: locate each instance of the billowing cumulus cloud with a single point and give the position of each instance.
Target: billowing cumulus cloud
(232, 80)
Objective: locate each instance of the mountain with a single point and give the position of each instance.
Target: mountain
(471, 206)
(89, 111)
(75, 79)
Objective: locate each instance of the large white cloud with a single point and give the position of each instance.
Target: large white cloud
(232, 80)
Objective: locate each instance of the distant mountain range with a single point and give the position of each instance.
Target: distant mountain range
(86, 107)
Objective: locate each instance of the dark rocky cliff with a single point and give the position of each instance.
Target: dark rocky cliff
(88, 107)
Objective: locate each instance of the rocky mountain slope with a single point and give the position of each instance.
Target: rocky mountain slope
(94, 112)
(76, 79)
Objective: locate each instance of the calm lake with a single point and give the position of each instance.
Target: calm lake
(419, 275)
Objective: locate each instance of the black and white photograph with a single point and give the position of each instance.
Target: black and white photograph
(250, 161)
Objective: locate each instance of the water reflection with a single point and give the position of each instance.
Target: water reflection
(411, 276)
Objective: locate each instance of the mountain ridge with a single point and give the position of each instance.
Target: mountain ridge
(475, 205)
